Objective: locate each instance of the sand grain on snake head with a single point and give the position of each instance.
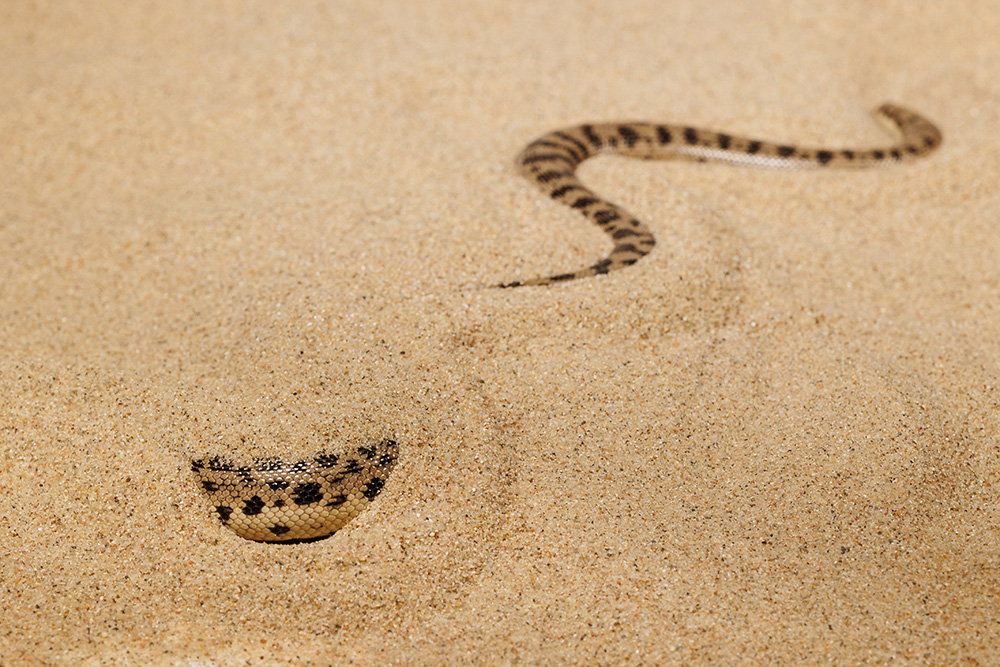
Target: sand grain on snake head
(272, 500)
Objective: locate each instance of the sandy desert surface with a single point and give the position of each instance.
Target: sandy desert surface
(250, 228)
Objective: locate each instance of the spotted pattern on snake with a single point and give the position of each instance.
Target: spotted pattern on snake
(551, 161)
(271, 500)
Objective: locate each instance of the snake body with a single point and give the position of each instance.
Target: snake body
(272, 500)
(551, 161)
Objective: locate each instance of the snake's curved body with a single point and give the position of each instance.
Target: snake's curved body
(551, 161)
(274, 501)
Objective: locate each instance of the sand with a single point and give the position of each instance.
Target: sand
(256, 228)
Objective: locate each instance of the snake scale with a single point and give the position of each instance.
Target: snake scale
(271, 500)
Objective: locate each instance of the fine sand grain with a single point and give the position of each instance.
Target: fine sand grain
(248, 229)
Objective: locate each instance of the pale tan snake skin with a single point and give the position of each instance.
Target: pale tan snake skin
(272, 500)
(551, 161)
(276, 501)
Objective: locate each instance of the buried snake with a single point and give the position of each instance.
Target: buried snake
(271, 500)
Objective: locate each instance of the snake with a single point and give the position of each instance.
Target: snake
(272, 500)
